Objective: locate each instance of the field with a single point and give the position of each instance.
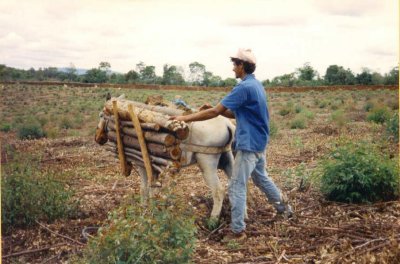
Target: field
(305, 127)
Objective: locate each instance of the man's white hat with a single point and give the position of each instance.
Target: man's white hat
(245, 55)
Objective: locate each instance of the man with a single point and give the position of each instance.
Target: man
(247, 103)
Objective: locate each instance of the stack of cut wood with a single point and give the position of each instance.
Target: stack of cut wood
(161, 135)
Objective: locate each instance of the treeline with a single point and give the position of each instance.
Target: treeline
(142, 74)
(197, 75)
(334, 75)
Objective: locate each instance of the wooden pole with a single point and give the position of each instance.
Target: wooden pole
(142, 142)
(121, 154)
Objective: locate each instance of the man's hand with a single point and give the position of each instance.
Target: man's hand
(205, 107)
(178, 118)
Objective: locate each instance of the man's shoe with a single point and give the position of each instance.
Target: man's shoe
(234, 237)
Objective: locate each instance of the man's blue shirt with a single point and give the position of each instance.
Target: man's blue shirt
(247, 101)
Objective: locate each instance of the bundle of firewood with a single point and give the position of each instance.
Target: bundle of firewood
(161, 135)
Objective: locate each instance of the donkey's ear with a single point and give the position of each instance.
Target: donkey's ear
(108, 96)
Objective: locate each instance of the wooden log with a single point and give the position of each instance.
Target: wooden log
(121, 154)
(161, 109)
(111, 146)
(150, 136)
(145, 126)
(139, 162)
(172, 152)
(180, 128)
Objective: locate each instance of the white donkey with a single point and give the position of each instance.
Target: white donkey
(208, 144)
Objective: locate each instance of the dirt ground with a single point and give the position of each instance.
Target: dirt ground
(320, 231)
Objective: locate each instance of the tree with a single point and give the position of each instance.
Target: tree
(306, 73)
(132, 76)
(147, 73)
(207, 78)
(215, 81)
(284, 80)
(95, 76)
(197, 71)
(51, 73)
(377, 78)
(229, 82)
(5, 73)
(172, 75)
(337, 75)
(105, 66)
(392, 77)
(140, 66)
(71, 72)
(365, 77)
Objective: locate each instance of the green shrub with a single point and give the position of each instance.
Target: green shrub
(5, 127)
(273, 129)
(358, 173)
(298, 122)
(392, 128)
(30, 130)
(379, 115)
(322, 104)
(308, 114)
(162, 232)
(285, 111)
(65, 123)
(339, 118)
(28, 194)
(298, 109)
(368, 106)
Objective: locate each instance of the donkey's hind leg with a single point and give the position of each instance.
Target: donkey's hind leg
(208, 164)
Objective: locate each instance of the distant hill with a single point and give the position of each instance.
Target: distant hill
(79, 71)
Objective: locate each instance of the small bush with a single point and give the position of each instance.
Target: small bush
(285, 111)
(339, 118)
(368, 106)
(308, 114)
(379, 115)
(65, 123)
(30, 130)
(298, 109)
(393, 104)
(28, 195)
(298, 122)
(6, 127)
(322, 104)
(161, 232)
(392, 128)
(358, 173)
(273, 129)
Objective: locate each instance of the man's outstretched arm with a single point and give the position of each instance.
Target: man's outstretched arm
(228, 113)
(202, 115)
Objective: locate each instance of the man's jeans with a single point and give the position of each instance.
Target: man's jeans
(246, 164)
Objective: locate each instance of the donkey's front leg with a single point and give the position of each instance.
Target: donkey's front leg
(145, 192)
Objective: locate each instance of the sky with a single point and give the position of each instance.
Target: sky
(283, 34)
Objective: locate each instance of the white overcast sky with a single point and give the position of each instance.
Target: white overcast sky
(284, 34)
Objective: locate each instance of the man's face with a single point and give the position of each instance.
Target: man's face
(238, 69)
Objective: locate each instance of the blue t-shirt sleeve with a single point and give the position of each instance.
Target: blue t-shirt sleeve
(235, 99)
